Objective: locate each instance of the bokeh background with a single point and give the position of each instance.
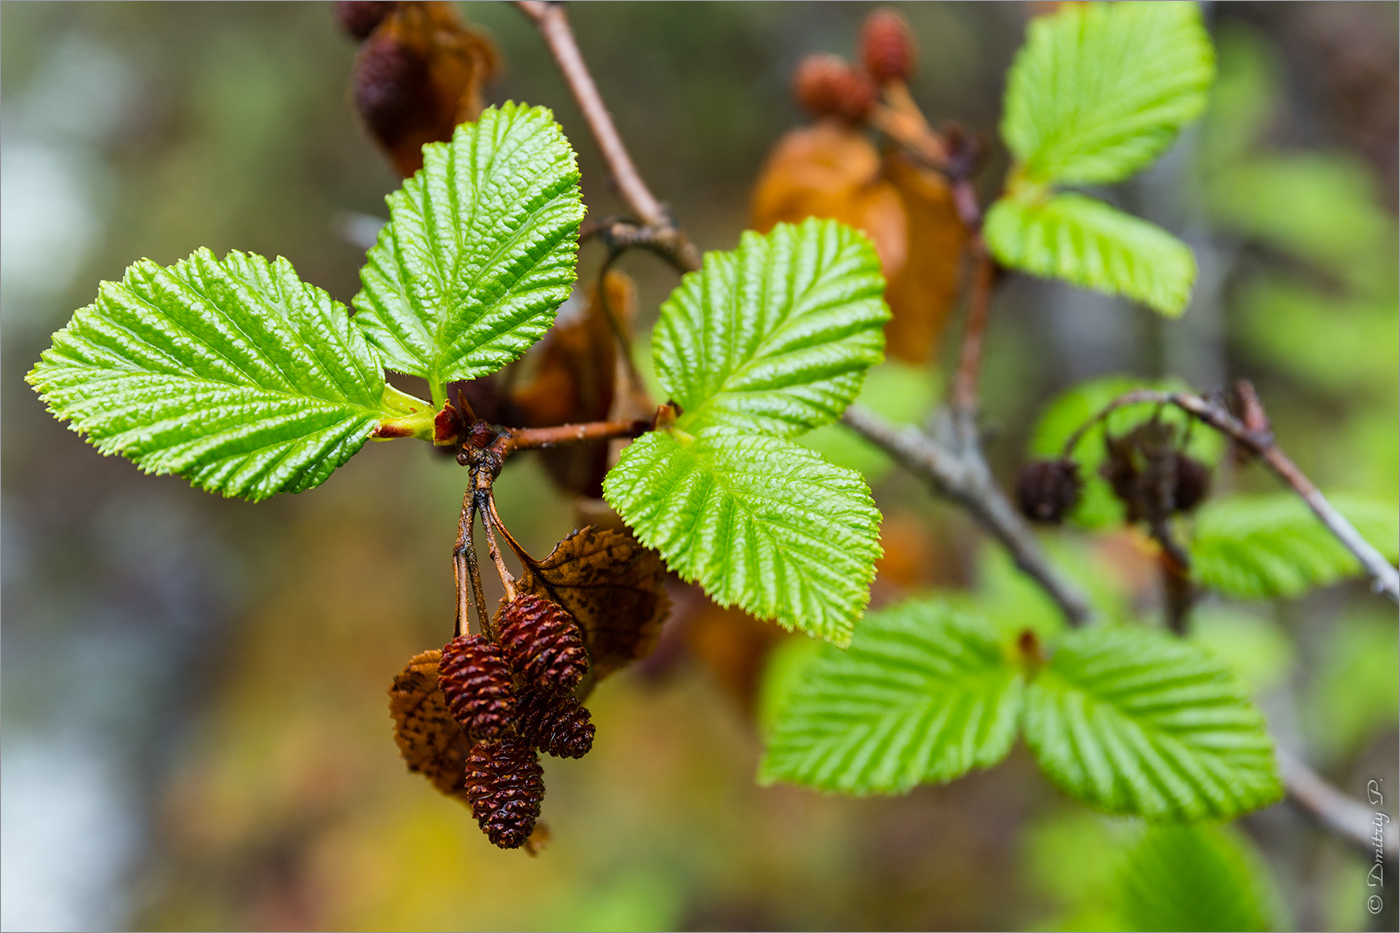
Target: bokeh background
(195, 730)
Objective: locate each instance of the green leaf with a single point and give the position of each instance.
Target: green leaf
(775, 336)
(1134, 721)
(1200, 877)
(1266, 546)
(1100, 90)
(1090, 244)
(479, 250)
(1074, 407)
(758, 521)
(925, 694)
(234, 374)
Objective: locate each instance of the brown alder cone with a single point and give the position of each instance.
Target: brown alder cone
(476, 681)
(826, 86)
(1047, 490)
(542, 642)
(612, 586)
(554, 722)
(887, 46)
(417, 76)
(360, 17)
(429, 739)
(505, 784)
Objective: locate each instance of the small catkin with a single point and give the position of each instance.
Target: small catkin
(1048, 489)
(505, 785)
(360, 17)
(826, 86)
(887, 46)
(477, 683)
(1192, 483)
(554, 722)
(543, 643)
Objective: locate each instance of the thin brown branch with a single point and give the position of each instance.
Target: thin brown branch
(1337, 812)
(468, 576)
(582, 433)
(964, 477)
(965, 392)
(553, 25)
(489, 524)
(1385, 578)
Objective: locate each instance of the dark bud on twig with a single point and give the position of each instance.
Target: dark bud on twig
(476, 682)
(505, 785)
(360, 17)
(1192, 483)
(1048, 490)
(555, 723)
(887, 46)
(826, 86)
(543, 643)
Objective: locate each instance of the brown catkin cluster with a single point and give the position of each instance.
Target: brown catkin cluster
(556, 723)
(505, 785)
(477, 683)
(887, 46)
(826, 86)
(542, 642)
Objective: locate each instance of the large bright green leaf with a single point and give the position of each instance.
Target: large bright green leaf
(1100, 90)
(1134, 721)
(758, 521)
(924, 694)
(1076, 405)
(777, 335)
(1201, 877)
(479, 250)
(1090, 244)
(1258, 547)
(233, 373)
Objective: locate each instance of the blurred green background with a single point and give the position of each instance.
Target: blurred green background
(195, 730)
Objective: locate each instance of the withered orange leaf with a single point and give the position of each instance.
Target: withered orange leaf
(570, 377)
(417, 76)
(734, 647)
(922, 292)
(831, 170)
(429, 739)
(613, 587)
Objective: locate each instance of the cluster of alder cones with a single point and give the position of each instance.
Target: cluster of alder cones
(508, 699)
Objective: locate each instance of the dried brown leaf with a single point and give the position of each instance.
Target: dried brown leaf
(922, 292)
(612, 586)
(734, 647)
(417, 76)
(429, 739)
(572, 378)
(831, 170)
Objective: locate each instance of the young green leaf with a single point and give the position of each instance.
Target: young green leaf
(1200, 877)
(758, 521)
(233, 373)
(925, 694)
(1134, 721)
(1261, 547)
(1100, 90)
(479, 250)
(775, 336)
(1090, 244)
